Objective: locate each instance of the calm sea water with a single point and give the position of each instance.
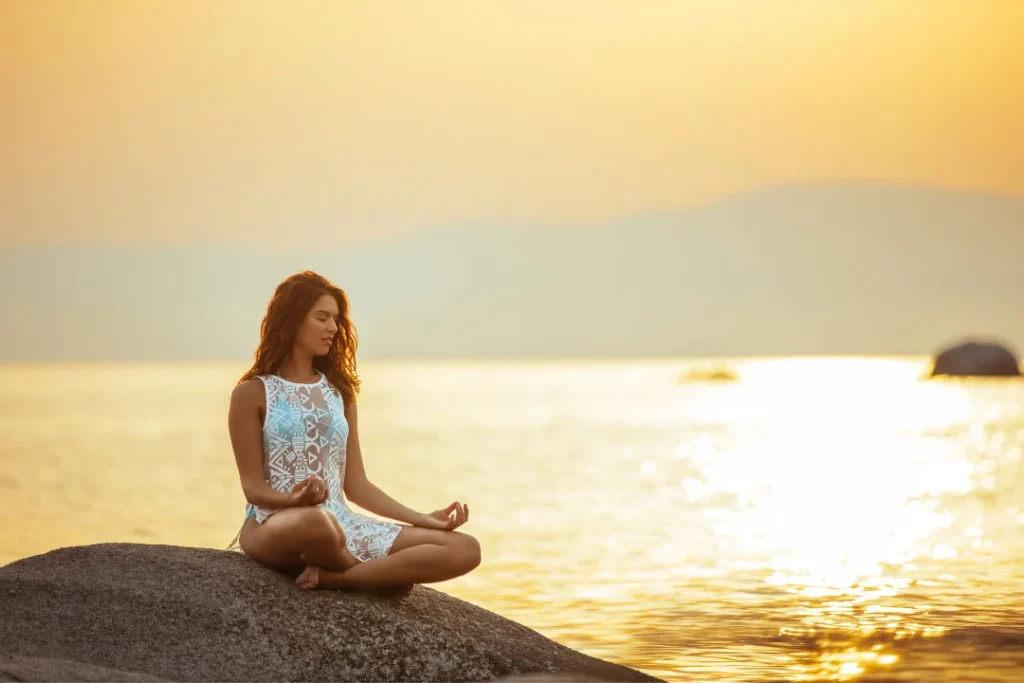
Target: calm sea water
(816, 519)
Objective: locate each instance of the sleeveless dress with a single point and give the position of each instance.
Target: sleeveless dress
(305, 433)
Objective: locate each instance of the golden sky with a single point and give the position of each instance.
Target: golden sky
(287, 122)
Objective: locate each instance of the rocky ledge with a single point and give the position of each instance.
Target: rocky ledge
(156, 612)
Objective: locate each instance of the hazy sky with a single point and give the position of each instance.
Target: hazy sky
(298, 123)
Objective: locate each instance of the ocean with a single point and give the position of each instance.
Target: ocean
(716, 520)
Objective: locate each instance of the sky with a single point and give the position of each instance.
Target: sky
(147, 139)
(288, 123)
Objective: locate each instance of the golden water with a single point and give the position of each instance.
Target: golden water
(817, 519)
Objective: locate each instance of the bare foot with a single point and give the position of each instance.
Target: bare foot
(309, 578)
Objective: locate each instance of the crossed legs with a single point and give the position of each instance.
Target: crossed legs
(417, 556)
(311, 537)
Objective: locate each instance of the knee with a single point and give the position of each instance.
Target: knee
(467, 549)
(315, 525)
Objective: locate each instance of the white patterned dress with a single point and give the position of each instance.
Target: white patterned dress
(305, 433)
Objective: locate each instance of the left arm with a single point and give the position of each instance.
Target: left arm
(363, 492)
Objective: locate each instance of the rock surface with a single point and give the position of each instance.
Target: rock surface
(976, 359)
(59, 670)
(147, 612)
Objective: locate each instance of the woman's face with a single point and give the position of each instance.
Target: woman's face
(317, 331)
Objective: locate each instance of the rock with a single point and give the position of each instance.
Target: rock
(708, 374)
(976, 359)
(190, 614)
(58, 670)
(548, 678)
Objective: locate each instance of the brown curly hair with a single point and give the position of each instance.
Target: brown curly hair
(289, 306)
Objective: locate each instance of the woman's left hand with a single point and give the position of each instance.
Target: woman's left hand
(451, 517)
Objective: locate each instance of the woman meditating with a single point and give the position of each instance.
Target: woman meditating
(294, 431)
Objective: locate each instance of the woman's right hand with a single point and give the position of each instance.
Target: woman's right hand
(310, 491)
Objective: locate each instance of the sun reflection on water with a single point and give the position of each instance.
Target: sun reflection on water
(832, 489)
(807, 521)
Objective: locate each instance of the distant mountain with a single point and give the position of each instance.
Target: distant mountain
(806, 270)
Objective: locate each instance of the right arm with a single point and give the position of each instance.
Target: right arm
(247, 443)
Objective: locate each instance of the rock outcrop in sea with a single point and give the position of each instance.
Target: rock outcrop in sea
(973, 358)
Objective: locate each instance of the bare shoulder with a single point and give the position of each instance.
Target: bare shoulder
(248, 394)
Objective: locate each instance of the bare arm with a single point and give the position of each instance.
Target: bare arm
(363, 492)
(247, 442)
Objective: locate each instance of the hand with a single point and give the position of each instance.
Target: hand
(451, 517)
(310, 491)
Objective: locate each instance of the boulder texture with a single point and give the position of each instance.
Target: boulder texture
(976, 359)
(157, 612)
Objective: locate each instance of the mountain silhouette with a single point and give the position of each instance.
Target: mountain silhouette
(842, 269)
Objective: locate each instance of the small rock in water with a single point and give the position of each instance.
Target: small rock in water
(976, 359)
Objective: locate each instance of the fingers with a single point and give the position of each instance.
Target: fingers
(449, 518)
(460, 517)
(306, 496)
(311, 491)
(442, 519)
(316, 490)
(301, 491)
(321, 491)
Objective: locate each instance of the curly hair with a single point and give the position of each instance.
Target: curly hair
(291, 302)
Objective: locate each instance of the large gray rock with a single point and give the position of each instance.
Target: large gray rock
(976, 359)
(191, 614)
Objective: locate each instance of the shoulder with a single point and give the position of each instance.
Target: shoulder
(335, 390)
(249, 392)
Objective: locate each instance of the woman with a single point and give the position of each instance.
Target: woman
(294, 431)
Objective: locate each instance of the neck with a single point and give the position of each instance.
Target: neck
(298, 366)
